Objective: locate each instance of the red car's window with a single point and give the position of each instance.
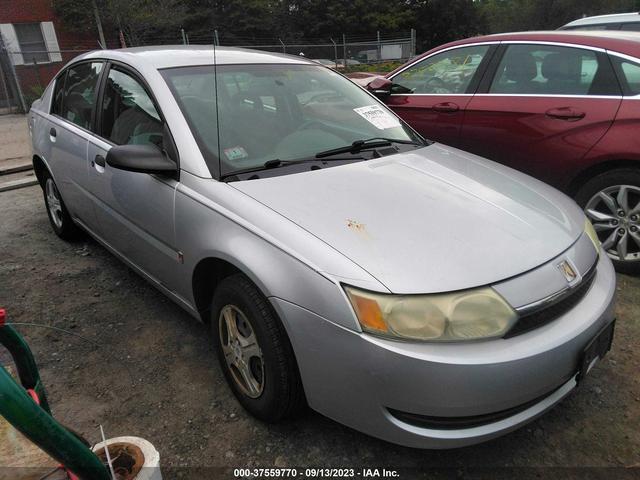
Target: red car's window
(448, 72)
(631, 73)
(546, 70)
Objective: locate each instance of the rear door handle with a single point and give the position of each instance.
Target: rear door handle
(53, 132)
(99, 160)
(446, 107)
(565, 113)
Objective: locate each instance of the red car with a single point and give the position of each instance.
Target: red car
(561, 106)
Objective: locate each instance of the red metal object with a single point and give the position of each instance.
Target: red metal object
(70, 475)
(3, 317)
(561, 139)
(32, 393)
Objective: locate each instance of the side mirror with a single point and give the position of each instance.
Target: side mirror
(380, 87)
(141, 158)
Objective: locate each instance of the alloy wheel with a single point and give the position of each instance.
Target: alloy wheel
(241, 350)
(615, 214)
(54, 204)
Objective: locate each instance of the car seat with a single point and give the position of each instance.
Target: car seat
(519, 71)
(563, 72)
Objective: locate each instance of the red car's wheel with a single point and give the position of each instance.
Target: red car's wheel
(612, 203)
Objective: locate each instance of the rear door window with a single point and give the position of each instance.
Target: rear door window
(80, 86)
(553, 70)
(58, 93)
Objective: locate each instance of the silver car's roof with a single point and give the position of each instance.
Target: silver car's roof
(167, 56)
(604, 19)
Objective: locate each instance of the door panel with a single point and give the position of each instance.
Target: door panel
(68, 131)
(518, 131)
(135, 211)
(545, 108)
(68, 162)
(436, 117)
(433, 94)
(135, 215)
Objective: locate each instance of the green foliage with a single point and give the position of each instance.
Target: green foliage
(264, 21)
(34, 93)
(136, 18)
(515, 15)
(384, 67)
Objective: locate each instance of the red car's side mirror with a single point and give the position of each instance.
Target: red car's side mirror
(380, 87)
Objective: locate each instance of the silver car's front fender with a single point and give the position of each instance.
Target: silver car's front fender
(214, 221)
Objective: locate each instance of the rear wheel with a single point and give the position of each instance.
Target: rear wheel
(57, 212)
(254, 351)
(611, 201)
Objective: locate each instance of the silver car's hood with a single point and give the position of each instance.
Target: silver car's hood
(437, 219)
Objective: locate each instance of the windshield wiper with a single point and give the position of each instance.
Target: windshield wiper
(359, 145)
(281, 163)
(276, 162)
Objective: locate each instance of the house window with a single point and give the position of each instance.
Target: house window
(32, 42)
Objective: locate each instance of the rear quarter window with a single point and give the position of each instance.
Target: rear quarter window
(629, 74)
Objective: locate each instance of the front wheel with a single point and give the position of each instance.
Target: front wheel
(611, 201)
(254, 351)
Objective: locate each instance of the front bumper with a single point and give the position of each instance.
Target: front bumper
(356, 379)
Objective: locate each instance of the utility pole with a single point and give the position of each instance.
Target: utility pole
(184, 38)
(216, 38)
(413, 43)
(335, 53)
(96, 14)
(344, 48)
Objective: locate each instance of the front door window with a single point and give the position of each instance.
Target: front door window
(128, 113)
(445, 73)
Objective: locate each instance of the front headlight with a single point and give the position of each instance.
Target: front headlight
(591, 232)
(466, 315)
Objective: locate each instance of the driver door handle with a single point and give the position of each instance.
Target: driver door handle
(99, 160)
(445, 107)
(565, 113)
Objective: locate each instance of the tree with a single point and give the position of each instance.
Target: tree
(136, 18)
(515, 15)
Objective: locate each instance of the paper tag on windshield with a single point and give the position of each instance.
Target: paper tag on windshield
(378, 117)
(235, 153)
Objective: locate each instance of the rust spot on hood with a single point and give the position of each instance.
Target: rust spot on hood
(357, 226)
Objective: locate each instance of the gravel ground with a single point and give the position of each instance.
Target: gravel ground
(145, 368)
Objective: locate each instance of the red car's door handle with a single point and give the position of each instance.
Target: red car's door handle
(565, 113)
(446, 107)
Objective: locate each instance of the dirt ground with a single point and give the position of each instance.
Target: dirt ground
(146, 368)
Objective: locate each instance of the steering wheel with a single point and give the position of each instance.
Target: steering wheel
(310, 123)
(434, 83)
(319, 96)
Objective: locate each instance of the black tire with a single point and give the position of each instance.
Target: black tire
(282, 395)
(602, 182)
(62, 224)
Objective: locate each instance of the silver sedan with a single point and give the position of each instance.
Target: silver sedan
(412, 291)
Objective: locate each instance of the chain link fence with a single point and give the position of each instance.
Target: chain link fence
(25, 74)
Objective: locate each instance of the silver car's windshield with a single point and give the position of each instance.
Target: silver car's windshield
(257, 114)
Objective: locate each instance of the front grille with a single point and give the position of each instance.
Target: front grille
(551, 311)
